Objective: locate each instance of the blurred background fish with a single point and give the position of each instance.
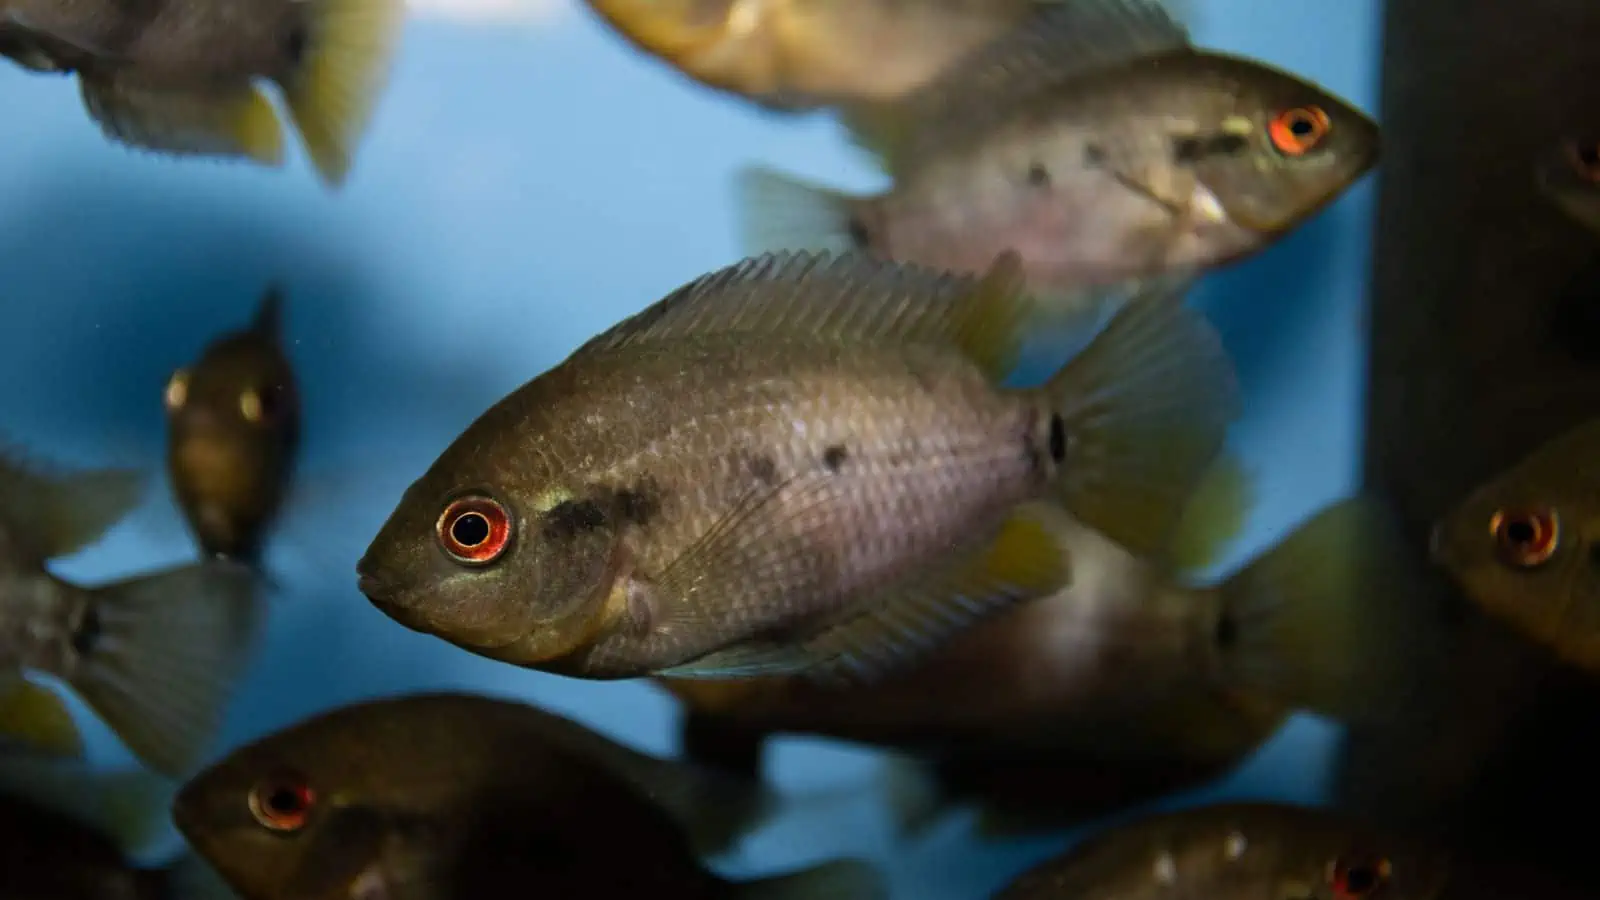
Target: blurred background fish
(155, 655)
(441, 796)
(1569, 174)
(234, 428)
(178, 77)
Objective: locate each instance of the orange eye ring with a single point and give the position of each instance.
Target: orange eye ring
(1585, 159)
(1297, 131)
(474, 531)
(282, 802)
(1351, 878)
(1525, 538)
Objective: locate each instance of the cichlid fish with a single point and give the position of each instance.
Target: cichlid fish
(234, 423)
(1523, 546)
(1264, 851)
(796, 464)
(1211, 671)
(1098, 143)
(440, 796)
(794, 55)
(154, 655)
(179, 76)
(1570, 176)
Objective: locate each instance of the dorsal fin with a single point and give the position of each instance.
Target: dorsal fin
(847, 298)
(1059, 44)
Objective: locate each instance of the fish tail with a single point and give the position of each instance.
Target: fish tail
(168, 649)
(839, 879)
(781, 212)
(344, 67)
(1138, 418)
(33, 715)
(1326, 621)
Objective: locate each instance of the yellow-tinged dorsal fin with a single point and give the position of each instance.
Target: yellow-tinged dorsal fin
(64, 511)
(1214, 517)
(846, 298)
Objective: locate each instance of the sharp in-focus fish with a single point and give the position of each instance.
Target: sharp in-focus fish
(234, 422)
(153, 655)
(1263, 851)
(793, 55)
(797, 464)
(1524, 546)
(1098, 143)
(1131, 663)
(443, 796)
(180, 76)
(1570, 175)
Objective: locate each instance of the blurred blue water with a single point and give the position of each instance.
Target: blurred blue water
(522, 188)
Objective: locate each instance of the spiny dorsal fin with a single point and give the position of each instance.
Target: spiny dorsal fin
(845, 298)
(1060, 44)
(62, 512)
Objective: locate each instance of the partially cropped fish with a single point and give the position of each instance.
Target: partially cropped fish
(1260, 851)
(443, 796)
(234, 423)
(154, 655)
(797, 464)
(1132, 666)
(792, 55)
(1098, 143)
(1570, 175)
(180, 76)
(1524, 546)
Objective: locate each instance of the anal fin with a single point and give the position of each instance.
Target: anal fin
(226, 120)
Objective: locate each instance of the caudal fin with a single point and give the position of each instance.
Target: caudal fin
(1140, 415)
(1330, 620)
(781, 212)
(166, 652)
(343, 69)
(840, 879)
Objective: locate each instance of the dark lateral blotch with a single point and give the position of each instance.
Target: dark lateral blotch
(834, 457)
(1058, 439)
(571, 517)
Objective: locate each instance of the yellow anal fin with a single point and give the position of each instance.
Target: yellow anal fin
(333, 91)
(225, 120)
(35, 717)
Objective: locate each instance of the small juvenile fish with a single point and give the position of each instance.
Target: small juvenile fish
(797, 464)
(1132, 661)
(154, 655)
(1570, 176)
(793, 55)
(1262, 851)
(234, 422)
(178, 76)
(443, 796)
(1098, 143)
(1522, 546)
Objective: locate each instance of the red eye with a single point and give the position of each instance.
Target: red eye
(282, 802)
(1525, 538)
(1585, 159)
(1296, 131)
(474, 530)
(1357, 877)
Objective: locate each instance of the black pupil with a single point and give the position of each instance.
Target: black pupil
(268, 398)
(1302, 125)
(470, 529)
(285, 801)
(1360, 879)
(1521, 532)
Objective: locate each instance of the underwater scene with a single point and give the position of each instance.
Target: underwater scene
(782, 449)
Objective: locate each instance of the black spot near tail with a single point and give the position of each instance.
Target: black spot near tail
(1058, 439)
(86, 637)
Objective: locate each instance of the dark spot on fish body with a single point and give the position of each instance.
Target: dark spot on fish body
(834, 457)
(1226, 632)
(1094, 156)
(295, 44)
(1187, 149)
(570, 518)
(86, 637)
(860, 237)
(1226, 144)
(1038, 175)
(1058, 439)
(764, 469)
(637, 506)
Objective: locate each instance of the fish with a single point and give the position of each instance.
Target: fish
(234, 426)
(1270, 851)
(154, 655)
(796, 464)
(1098, 143)
(1523, 546)
(444, 795)
(1569, 175)
(1213, 671)
(788, 56)
(180, 77)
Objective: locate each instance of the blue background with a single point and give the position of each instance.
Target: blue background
(525, 185)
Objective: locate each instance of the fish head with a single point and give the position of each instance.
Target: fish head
(1524, 546)
(1569, 174)
(233, 422)
(1291, 148)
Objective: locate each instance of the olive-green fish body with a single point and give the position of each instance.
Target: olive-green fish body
(804, 54)
(234, 427)
(704, 491)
